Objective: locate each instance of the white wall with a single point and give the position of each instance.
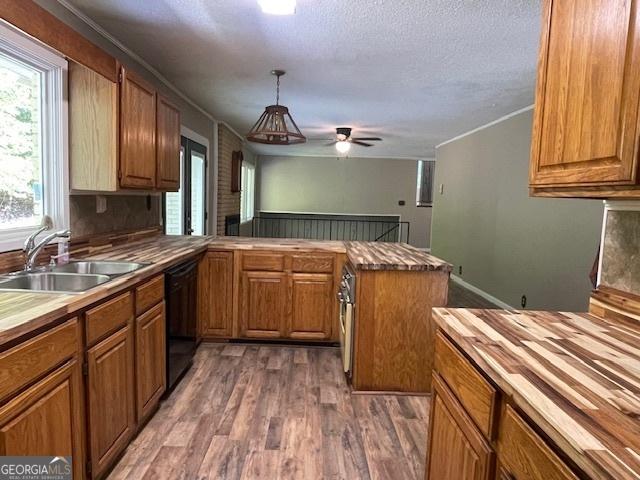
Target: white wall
(508, 243)
(368, 186)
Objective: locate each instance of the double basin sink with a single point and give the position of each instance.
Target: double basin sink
(74, 277)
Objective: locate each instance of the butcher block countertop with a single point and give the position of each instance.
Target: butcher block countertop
(25, 312)
(392, 256)
(576, 376)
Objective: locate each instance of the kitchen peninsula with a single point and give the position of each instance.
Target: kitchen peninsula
(249, 289)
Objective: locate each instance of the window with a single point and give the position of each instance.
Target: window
(173, 205)
(33, 133)
(247, 192)
(426, 172)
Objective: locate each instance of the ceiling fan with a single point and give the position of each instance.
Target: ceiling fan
(344, 140)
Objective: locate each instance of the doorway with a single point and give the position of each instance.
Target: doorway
(184, 212)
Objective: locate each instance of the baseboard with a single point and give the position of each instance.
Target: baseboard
(497, 302)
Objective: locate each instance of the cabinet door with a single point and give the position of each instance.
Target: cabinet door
(216, 294)
(263, 304)
(110, 398)
(456, 449)
(311, 306)
(586, 116)
(523, 455)
(168, 145)
(46, 419)
(137, 133)
(93, 130)
(150, 360)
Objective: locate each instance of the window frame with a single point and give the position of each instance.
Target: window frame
(55, 129)
(247, 195)
(419, 185)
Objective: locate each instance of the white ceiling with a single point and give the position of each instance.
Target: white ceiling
(415, 72)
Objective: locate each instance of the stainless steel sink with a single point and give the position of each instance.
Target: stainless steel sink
(52, 282)
(98, 267)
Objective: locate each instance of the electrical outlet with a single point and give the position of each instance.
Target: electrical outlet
(523, 301)
(460, 270)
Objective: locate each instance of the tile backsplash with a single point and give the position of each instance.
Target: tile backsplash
(124, 213)
(621, 251)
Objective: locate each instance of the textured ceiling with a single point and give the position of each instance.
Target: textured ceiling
(415, 72)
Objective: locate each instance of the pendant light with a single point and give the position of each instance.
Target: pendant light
(276, 126)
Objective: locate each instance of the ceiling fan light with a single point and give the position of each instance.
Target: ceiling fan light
(343, 146)
(278, 7)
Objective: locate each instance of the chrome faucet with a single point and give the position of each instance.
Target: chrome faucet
(31, 250)
(45, 224)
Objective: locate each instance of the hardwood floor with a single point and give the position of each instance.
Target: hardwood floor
(277, 412)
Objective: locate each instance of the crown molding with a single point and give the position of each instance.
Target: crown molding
(347, 157)
(164, 80)
(490, 124)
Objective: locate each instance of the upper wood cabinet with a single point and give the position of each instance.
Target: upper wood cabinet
(168, 145)
(93, 130)
(585, 131)
(137, 132)
(121, 135)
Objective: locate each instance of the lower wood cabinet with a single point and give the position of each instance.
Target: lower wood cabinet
(215, 294)
(110, 398)
(312, 306)
(47, 418)
(466, 413)
(523, 455)
(268, 295)
(151, 377)
(456, 449)
(263, 304)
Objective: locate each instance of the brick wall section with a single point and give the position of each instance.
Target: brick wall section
(228, 203)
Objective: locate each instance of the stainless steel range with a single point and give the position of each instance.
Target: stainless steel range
(347, 299)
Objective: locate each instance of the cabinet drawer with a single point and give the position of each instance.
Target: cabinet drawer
(312, 263)
(524, 455)
(108, 317)
(149, 294)
(265, 262)
(26, 362)
(475, 393)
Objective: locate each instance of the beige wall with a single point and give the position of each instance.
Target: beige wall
(508, 243)
(346, 186)
(82, 208)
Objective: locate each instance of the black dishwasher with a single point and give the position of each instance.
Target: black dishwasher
(181, 290)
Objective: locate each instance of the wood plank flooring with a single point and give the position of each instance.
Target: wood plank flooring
(277, 412)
